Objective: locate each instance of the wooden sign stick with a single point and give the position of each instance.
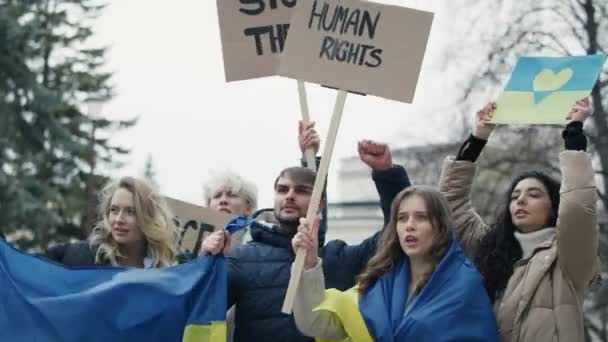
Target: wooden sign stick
(309, 153)
(315, 198)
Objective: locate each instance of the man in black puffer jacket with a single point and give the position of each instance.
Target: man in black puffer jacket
(259, 271)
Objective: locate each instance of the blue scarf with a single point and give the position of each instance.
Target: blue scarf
(238, 223)
(453, 305)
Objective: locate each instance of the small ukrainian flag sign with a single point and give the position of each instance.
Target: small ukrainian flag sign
(542, 90)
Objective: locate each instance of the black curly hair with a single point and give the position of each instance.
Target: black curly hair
(499, 250)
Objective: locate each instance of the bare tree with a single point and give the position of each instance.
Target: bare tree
(489, 36)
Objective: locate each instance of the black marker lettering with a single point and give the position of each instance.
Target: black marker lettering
(314, 14)
(375, 54)
(342, 51)
(252, 11)
(328, 43)
(258, 32)
(371, 25)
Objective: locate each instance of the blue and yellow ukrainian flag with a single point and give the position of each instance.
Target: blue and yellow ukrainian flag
(43, 301)
(542, 90)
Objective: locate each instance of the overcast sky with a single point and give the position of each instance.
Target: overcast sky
(168, 68)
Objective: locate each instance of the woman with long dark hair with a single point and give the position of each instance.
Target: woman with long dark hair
(418, 286)
(540, 255)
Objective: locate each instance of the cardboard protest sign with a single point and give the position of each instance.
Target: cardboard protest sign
(253, 34)
(195, 221)
(542, 90)
(359, 46)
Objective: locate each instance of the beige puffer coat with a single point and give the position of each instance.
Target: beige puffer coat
(544, 297)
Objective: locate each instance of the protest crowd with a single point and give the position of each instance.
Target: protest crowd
(250, 271)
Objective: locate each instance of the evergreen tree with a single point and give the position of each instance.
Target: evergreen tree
(47, 72)
(149, 172)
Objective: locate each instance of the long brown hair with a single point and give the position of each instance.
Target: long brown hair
(388, 249)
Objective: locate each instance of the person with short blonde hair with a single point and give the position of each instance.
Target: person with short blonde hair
(227, 184)
(228, 192)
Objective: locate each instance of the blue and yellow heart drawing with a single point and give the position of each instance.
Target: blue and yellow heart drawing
(542, 90)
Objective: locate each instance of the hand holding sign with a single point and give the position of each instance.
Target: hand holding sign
(308, 138)
(581, 110)
(315, 198)
(307, 239)
(309, 153)
(483, 126)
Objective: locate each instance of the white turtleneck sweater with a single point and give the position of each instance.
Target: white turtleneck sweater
(529, 241)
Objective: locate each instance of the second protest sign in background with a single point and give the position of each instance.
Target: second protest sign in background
(253, 36)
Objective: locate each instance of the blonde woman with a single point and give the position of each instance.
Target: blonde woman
(135, 230)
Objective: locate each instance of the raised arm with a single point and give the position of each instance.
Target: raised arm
(389, 179)
(311, 291)
(388, 184)
(577, 235)
(344, 262)
(456, 181)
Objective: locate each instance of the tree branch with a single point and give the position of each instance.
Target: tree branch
(576, 8)
(552, 38)
(571, 26)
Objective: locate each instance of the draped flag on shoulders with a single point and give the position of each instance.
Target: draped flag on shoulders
(452, 306)
(43, 301)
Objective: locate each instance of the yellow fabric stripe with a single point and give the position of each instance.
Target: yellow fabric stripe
(346, 306)
(214, 332)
